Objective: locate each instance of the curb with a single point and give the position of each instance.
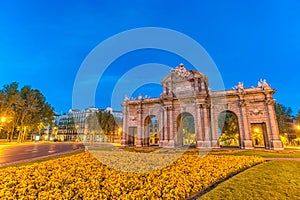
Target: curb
(292, 159)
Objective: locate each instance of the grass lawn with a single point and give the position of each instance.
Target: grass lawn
(270, 180)
(287, 153)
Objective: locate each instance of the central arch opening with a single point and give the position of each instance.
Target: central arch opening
(186, 129)
(151, 131)
(228, 129)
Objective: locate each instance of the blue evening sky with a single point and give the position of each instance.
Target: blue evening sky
(43, 43)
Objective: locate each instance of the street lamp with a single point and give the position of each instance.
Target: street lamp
(3, 119)
(54, 133)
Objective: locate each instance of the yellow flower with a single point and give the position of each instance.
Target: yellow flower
(82, 176)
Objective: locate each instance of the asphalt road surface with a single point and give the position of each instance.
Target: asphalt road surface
(10, 154)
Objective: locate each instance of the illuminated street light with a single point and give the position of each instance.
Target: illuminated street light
(298, 127)
(3, 119)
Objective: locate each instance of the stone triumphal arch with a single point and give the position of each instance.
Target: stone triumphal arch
(187, 99)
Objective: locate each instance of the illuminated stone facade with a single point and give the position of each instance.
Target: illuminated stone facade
(187, 93)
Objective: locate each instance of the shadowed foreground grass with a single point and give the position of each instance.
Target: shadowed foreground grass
(270, 180)
(287, 153)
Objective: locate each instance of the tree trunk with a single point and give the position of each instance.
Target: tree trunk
(11, 137)
(19, 136)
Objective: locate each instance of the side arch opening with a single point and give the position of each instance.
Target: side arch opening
(151, 135)
(186, 130)
(228, 129)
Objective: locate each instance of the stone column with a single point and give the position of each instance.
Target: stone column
(140, 129)
(200, 135)
(206, 123)
(214, 129)
(275, 141)
(247, 142)
(162, 135)
(165, 128)
(124, 140)
(171, 126)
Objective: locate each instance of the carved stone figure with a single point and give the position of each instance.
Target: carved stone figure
(182, 72)
(140, 97)
(263, 84)
(126, 98)
(239, 87)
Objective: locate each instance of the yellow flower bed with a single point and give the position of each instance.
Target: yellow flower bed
(83, 177)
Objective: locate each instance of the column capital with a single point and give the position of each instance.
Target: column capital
(269, 101)
(169, 107)
(139, 110)
(242, 103)
(205, 105)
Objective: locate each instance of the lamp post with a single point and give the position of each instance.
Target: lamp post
(54, 133)
(297, 131)
(3, 120)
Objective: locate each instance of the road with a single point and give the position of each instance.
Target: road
(12, 154)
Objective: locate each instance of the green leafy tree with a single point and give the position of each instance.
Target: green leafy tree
(298, 118)
(9, 96)
(298, 125)
(102, 123)
(283, 115)
(188, 123)
(33, 111)
(25, 111)
(188, 130)
(228, 125)
(93, 125)
(108, 124)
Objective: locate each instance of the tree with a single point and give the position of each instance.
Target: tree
(188, 129)
(8, 107)
(298, 125)
(283, 115)
(102, 123)
(298, 118)
(228, 125)
(108, 124)
(25, 109)
(188, 123)
(93, 124)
